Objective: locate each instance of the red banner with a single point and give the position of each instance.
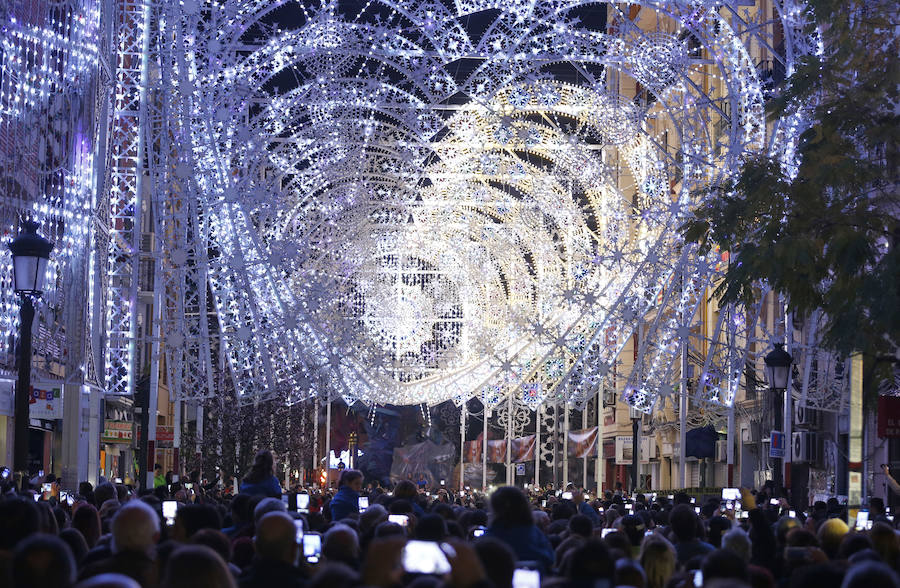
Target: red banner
(583, 443)
(497, 451)
(523, 449)
(888, 416)
(473, 451)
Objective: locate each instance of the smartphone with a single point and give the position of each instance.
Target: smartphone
(698, 579)
(523, 578)
(745, 514)
(567, 496)
(169, 508)
(37, 497)
(402, 520)
(40, 473)
(543, 504)
(862, 517)
(731, 493)
(363, 503)
(174, 478)
(478, 531)
(424, 557)
(298, 526)
(46, 487)
(189, 486)
(697, 509)
(70, 500)
(312, 547)
(443, 482)
(303, 502)
(118, 480)
(792, 514)
(605, 532)
(693, 500)
(773, 502)
(648, 532)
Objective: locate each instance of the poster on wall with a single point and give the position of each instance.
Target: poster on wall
(46, 400)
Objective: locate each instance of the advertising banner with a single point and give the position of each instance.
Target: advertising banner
(523, 449)
(583, 443)
(46, 400)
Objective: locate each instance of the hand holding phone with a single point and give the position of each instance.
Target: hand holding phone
(399, 519)
(424, 557)
(363, 503)
(169, 508)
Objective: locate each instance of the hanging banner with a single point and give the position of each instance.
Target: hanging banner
(473, 451)
(523, 449)
(497, 451)
(888, 416)
(583, 443)
(46, 400)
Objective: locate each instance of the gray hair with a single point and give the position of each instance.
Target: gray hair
(267, 505)
(135, 527)
(737, 541)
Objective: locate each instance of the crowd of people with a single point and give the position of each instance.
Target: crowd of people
(193, 535)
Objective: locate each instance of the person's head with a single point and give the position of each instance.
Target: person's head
(498, 560)
(215, 540)
(135, 528)
(105, 492)
(341, 544)
(737, 541)
(353, 479)
(633, 527)
(831, 533)
(683, 521)
(77, 545)
(87, 520)
(724, 565)
(716, 527)
(885, 543)
(241, 513)
(276, 538)
(371, 517)
(580, 525)
(157, 470)
(267, 505)
(405, 489)
(852, 543)
(431, 527)
(509, 507)
(334, 575)
(876, 507)
(109, 581)
(19, 519)
(43, 560)
(197, 566)
(589, 561)
(658, 560)
(629, 573)
(870, 574)
(263, 467)
(190, 518)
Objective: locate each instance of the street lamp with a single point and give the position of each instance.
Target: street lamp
(778, 373)
(30, 253)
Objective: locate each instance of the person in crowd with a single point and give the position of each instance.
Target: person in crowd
(277, 552)
(658, 560)
(684, 522)
(513, 524)
(346, 501)
(135, 533)
(261, 480)
(41, 561)
(197, 566)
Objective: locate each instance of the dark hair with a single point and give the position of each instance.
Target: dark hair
(590, 560)
(215, 540)
(87, 520)
(405, 489)
(498, 560)
(581, 525)
(724, 564)
(431, 527)
(348, 476)
(197, 566)
(510, 507)
(195, 517)
(683, 521)
(18, 519)
(263, 467)
(43, 560)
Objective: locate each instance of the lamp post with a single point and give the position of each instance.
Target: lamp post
(778, 372)
(30, 253)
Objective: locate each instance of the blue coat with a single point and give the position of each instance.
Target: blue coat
(527, 541)
(266, 487)
(344, 503)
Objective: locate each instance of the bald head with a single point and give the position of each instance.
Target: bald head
(276, 537)
(135, 528)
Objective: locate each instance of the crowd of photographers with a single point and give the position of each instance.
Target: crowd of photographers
(197, 536)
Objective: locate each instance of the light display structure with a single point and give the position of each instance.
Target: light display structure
(410, 202)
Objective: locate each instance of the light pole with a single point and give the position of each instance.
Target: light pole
(30, 253)
(778, 371)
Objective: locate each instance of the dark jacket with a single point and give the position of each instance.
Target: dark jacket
(527, 541)
(265, 573)
(344, 503)
(266, 487)
(138, 566)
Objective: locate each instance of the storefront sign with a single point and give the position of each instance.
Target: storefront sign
(117, 432)
(46, 401)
